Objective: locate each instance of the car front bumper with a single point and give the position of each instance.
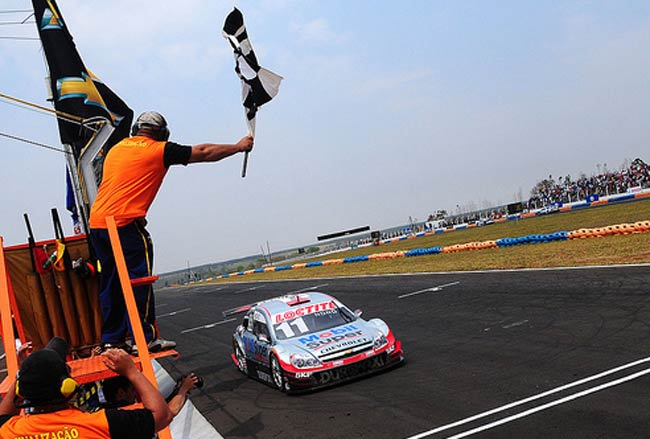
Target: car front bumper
(357, 367)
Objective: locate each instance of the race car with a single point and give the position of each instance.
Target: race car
(310, 340)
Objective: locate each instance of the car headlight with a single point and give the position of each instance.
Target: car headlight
(380, 342)
(303, 361)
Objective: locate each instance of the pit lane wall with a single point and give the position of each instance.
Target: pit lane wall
(616, 229)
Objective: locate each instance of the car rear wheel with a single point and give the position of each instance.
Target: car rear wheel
(277, 374)
(241, 360)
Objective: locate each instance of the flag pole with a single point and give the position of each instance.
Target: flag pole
(251, 132)
(243, 170)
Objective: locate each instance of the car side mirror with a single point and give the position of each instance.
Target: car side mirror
(358, 312)
(263, 337)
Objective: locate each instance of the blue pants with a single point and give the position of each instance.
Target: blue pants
(138, 252)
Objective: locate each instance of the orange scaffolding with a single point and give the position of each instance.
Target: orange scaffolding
(86, 369)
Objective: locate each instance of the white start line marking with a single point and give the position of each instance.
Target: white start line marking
(173, 313)
(426, 290)
(307, 289)
(538, 396)
(208, 326)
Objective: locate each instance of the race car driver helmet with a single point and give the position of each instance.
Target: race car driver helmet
(151, 124)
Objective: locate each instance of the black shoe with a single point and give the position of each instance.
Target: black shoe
(155, 345)
(159, 344)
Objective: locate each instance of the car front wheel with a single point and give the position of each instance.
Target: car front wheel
(241, 360)
(277, 374)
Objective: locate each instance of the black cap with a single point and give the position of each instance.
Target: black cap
(41, 374)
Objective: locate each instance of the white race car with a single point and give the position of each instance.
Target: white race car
(310, 340)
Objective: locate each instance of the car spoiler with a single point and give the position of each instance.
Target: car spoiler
(237, 310)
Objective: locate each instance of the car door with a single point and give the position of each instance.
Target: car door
(248, 338)
(257, 339)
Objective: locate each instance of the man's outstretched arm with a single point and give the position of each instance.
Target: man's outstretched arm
(211, 152)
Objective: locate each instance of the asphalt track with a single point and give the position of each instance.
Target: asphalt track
(522, 354)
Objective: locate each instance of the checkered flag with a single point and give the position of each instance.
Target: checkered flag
(259, 85)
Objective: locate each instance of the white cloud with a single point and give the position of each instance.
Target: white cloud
(317, 31)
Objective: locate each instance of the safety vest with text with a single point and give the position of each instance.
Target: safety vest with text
(63, 424)
(134, 170)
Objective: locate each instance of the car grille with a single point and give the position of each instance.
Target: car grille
(345, 352)
(351, 370)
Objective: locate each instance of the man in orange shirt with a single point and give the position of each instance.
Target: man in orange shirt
(44, 387)
(133, 171)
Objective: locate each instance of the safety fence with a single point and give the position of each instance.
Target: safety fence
(597, 232)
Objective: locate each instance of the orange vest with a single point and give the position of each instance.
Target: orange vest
(134, 169)
(65, 424)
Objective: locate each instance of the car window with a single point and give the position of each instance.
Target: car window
(248, 322)
(260, 328)
(314, 322)
(259, 324)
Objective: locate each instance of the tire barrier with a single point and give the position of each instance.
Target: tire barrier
(283, 267)
(389, 255)
(596, 232)
(642, 226)
(533, 239)
(617, 229)
(355, 259)
(423, 251)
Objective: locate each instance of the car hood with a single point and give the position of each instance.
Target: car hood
(353, 337)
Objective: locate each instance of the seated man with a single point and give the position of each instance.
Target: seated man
(44, 388)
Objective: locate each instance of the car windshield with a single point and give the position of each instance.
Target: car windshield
(314, 322)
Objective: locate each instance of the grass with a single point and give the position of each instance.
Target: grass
(620, 249)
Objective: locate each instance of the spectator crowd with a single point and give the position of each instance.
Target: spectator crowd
(566, 190)
(547, 192)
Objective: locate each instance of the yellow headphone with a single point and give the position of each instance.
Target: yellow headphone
(68, 387)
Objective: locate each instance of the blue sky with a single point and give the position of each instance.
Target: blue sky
(387, 110)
